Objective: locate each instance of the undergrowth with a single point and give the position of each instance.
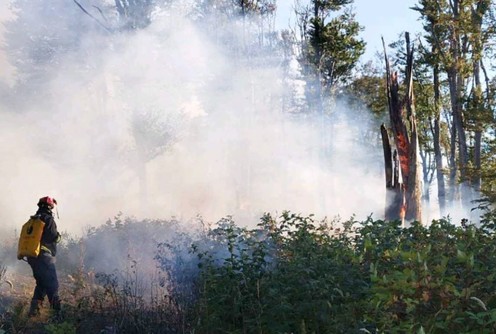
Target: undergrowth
(289, 274)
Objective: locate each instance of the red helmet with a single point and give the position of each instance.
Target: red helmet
(48, 201)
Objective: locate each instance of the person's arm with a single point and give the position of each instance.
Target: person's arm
(50, 233)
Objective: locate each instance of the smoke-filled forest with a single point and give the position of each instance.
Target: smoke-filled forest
(217, 173)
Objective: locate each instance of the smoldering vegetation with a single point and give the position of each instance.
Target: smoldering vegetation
(290, 273)
(123, 269)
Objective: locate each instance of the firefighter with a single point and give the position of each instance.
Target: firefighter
(43, 266)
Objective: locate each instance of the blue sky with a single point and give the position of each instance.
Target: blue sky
(386, 18)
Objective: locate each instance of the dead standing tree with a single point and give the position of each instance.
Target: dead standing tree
(403, 190)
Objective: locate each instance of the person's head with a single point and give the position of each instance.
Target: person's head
(47, 202)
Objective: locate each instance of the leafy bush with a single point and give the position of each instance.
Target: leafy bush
(290, 274)
(61, 328)
(298, 275)
(438, 278)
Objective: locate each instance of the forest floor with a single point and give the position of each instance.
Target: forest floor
(16, 291)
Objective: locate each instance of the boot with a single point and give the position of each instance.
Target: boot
(34, 308)
(56, 310)
(55, 305)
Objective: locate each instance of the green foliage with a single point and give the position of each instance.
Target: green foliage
(368, 90)
(458, 39)
(330, 48)
(488, 174)
(298, 275)
(290, 274)
(286, 276)
(431, 277)
(61, 328)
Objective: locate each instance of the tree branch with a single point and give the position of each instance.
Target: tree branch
(87, 13)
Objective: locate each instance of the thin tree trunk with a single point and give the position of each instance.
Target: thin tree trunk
(426, 166)
(456, 88)
(455, 83)
(479, 106)
(414, 188)
(436, 132)
(453, 189)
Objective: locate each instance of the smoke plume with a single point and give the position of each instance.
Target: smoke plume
(167, 121)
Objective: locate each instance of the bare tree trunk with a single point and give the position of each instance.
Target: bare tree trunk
(427, 172)
(455, 86)
(456, 83)
(403, 124)
(413, 183)
(453, 189)
(436, 133)
(479, 106)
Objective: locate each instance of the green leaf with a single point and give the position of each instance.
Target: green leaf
(461, 256)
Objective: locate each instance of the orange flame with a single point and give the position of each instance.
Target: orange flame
(403, 154)
(403, 213)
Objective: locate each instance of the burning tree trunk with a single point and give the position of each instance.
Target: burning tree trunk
(403, 199)
(393, 190)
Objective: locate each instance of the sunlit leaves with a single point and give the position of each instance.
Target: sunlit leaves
(374, 276)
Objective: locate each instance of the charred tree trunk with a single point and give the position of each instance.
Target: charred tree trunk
(393, 190)
(404, 128)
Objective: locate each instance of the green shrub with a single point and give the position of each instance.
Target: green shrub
(293, 274)
(61, 328)
(290, 274)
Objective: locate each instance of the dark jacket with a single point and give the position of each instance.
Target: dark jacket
(50, 236)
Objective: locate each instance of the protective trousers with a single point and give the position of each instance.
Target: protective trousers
(47, 284)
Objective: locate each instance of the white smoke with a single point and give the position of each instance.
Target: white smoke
(229, 149)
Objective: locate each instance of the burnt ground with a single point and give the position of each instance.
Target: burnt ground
(16, 289)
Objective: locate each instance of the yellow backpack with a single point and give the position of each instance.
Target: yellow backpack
(30, 238)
